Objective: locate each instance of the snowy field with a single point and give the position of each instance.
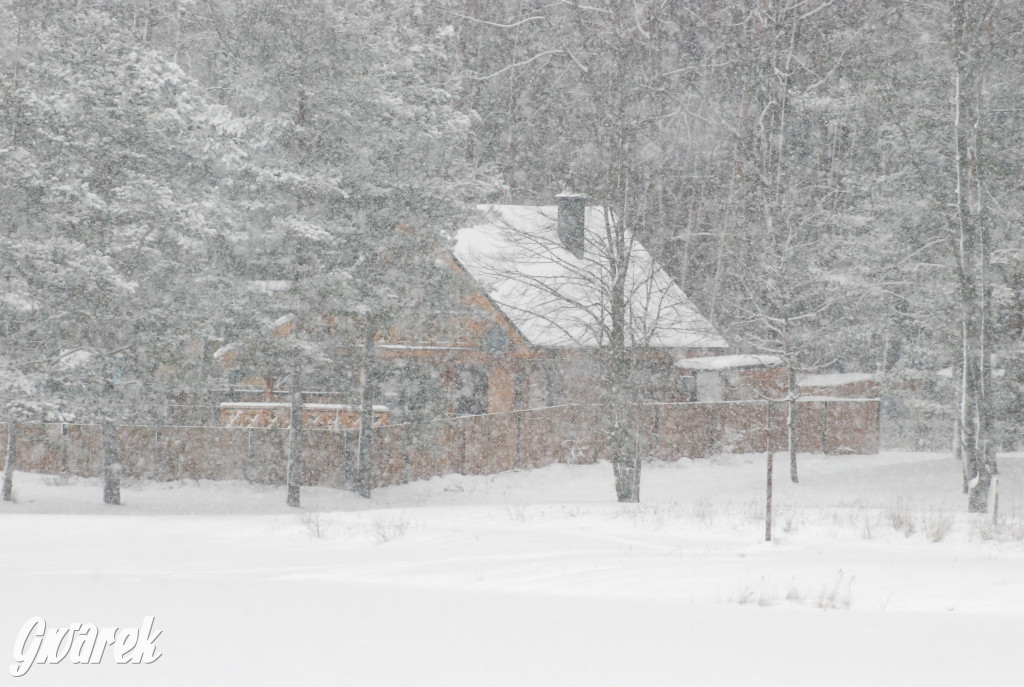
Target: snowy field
(875, 577)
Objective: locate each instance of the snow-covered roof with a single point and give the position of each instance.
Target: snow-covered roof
(730, 362)
(224, 350)
(557, 299)
(283, 320)
(947, 372)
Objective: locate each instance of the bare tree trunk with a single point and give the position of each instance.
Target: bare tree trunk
(791, 394)
(971, 261)
(768, 501)
(625, 456)
(958, 451)
(363, 475)
(791, 437)
(295, 440)
(12, 444)
(111, 463)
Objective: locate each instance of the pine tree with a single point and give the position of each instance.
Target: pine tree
(110, 208)
(355, 170)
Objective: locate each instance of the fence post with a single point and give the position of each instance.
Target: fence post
(995, 503)
(656, 431)
(158, 458)
(878, 425)
(824, 428)
(249, 455)
(768, 503)
(111, 463)
(519, 440)
(65, 470)
(768, 425)
(462, 448)
(8, 479)
(711, 427)
(348, 458)
(408, 458)
(572, 435)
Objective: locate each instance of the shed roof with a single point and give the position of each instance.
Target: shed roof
(730, 362)
(837, 378)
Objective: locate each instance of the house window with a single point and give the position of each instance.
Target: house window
(709, 386)
(555, 386)
(687, 389)
(547, 387)
(471, 391)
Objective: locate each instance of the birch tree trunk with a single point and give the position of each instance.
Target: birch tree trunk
(625, 456)
(791, 421)
(972, 257)
(365, 413)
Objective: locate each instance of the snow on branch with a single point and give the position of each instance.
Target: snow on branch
(516, 65)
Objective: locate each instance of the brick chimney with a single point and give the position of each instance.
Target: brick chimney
(572, 213)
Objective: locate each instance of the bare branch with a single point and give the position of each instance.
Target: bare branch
(513, 25)
(517, 65)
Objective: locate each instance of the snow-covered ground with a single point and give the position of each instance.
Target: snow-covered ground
(875, 576)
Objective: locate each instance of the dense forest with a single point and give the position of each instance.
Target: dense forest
(834, 181)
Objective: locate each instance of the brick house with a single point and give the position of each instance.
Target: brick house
(532, 285)
(538, 279)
